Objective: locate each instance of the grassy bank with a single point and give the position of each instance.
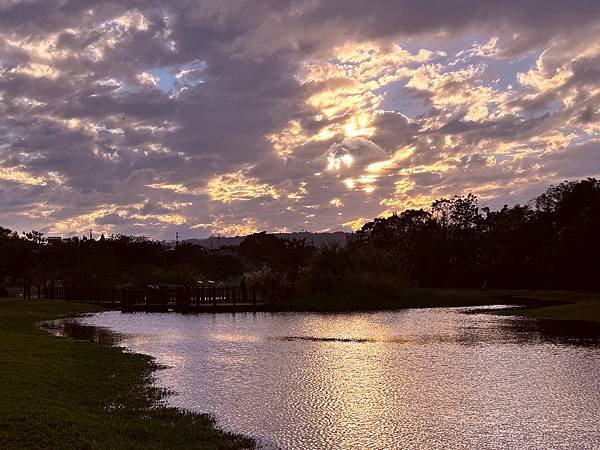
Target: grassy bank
(562, 305)
(64, 393)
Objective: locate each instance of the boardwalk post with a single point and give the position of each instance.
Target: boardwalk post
(243, 290)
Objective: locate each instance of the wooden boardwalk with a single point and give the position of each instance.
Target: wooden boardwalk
(182, 299)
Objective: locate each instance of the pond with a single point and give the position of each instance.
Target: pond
(420, 378)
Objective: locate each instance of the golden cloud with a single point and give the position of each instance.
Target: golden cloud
(345, 87)
(20, 176)
(237, 186)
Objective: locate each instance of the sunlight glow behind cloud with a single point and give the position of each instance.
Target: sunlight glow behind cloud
(212, 117)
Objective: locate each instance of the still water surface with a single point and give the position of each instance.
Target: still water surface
(427, 378)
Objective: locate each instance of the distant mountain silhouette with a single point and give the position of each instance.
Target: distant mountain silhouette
(317, 239)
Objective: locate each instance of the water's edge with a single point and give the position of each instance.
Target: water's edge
(72, 328)
(144, 333)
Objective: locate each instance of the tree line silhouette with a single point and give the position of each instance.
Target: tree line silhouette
(552, 241)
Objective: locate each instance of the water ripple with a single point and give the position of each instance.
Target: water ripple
(428, 378)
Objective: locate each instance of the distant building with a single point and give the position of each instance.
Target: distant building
(54, 240)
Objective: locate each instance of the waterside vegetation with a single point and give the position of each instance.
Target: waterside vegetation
(67, 393)
(453, 253)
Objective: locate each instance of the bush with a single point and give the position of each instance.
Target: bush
(359, 266)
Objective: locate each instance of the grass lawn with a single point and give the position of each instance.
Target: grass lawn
(65, 393)
(563, 305)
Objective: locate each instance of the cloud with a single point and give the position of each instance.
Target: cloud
(236, 186)
(147, 79)
(199, 117)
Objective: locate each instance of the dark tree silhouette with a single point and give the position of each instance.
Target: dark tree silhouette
(553, 241)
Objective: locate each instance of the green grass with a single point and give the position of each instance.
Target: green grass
(66, 393)
(562, 305)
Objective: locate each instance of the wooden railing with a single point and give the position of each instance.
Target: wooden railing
(164, 299)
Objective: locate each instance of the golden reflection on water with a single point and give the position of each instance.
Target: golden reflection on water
(409, 379)
(234, 337)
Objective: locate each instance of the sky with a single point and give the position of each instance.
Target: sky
(230, 117)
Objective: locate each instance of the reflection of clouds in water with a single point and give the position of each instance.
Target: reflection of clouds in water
(235, 338)
(140, 340)
(170, 359)
(413, 378)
